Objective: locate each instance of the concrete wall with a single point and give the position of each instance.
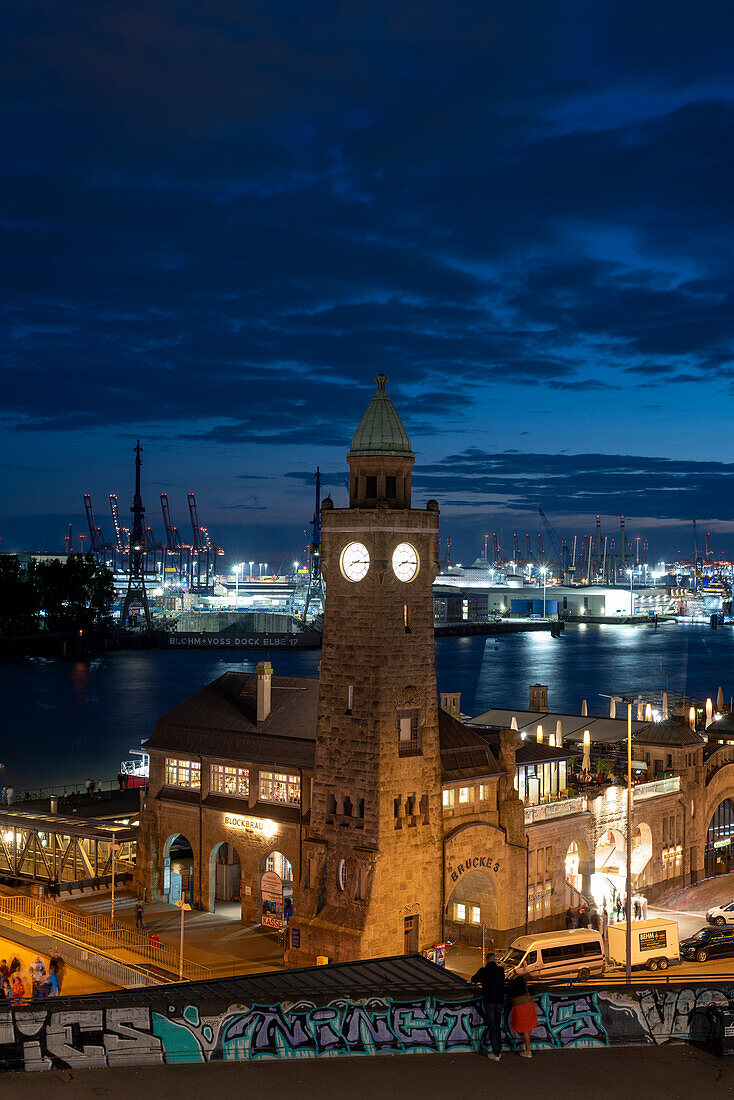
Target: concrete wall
(78, 1034)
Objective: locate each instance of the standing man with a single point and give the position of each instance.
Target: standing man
(491, 977)
(139, 916)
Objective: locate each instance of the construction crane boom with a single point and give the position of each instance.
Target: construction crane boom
(168, 525)
(198, 544)
(95, 534)
(550, 531)
(117, 526)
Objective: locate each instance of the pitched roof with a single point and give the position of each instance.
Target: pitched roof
(464, 752)
(671, 731)
(221, 721)
(381, 431)
(602, 730)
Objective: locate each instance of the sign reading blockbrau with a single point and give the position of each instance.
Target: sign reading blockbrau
(476, 863)
(306, 639)
(262, 825)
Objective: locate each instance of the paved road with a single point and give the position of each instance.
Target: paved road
(670, 1072)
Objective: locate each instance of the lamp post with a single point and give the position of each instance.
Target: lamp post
(185, 908)
(544, 571)
(628, 905)
(632, 598)
(115, 849)
(250, 573)
(237, 570)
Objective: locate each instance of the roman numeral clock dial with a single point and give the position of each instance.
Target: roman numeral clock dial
(405, 561)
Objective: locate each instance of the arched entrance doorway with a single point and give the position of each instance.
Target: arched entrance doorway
(472, 903)
(576, 872)
(718, 854)
(641, 853)
(610, 868)
(178, 869)
(225, 881)
(276, 890)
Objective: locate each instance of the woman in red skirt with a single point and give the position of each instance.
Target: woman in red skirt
(523, 1016)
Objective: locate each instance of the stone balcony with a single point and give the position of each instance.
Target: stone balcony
(566, 807)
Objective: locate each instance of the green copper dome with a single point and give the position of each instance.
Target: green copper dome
(381, 431)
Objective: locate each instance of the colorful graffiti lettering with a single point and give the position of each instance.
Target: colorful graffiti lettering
(87, 1038)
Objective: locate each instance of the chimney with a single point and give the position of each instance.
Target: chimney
(264, 679)
(538, 697)
(451, 703)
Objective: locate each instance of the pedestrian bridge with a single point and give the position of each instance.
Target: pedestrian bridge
(77, 853)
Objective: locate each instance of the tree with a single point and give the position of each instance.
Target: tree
(19, 603)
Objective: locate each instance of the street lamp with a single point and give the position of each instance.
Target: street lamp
(115, 849)
(185, 908)
(632, 598)
(544, 571)
(628, 913)
(251, 565)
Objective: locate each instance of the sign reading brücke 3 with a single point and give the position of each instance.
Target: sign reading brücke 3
(476, 863)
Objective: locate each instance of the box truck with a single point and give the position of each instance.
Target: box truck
(655, 943)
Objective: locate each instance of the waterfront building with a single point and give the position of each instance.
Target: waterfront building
(377, 815)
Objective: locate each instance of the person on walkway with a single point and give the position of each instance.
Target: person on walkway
(594, 921)
(38, 974)
(605, 923)
(120, 780)
(491, 977)
(570, 918)
(619, 907)
(7, 991)
(14, 965)
(57, 966)
(643, 906)
(523, 1015)
(584, 917)
(4, 970)
(125, 779)
(18, 990)
(51, 986)
(139, 916)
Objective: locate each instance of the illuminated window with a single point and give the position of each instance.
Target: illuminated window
(465, 795)
(485, 791)
(233, 781)
(183, 773)
(448, 800)
(459, 911)
(475, 914)
(277, 787)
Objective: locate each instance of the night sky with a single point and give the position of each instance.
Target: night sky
(220, 220)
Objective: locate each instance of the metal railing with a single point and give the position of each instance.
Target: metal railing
(99, 933)
(564, 807)
(100, 966)
(658, 786)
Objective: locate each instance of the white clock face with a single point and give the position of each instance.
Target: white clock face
(355, 561)
(405, 561)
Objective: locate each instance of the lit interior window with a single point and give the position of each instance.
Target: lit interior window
(460, 913)
(448, 799)
(475, 914)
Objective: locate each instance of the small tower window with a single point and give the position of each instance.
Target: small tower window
(391, 488)
(350, 698)
(406, 618)
(371, 490)
(409, 743)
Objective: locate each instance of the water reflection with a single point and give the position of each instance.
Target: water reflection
(66, 721)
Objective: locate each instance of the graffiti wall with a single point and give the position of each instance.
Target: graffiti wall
(47, 1038)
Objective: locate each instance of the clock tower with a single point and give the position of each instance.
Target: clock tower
(372, 864)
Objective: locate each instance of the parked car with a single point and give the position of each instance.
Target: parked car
(708, 943)
(721, 914)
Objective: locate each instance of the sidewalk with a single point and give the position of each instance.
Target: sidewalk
(226, 946)
(673, 1072)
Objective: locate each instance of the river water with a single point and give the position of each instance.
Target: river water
(63, 722)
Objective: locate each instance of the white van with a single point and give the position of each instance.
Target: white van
(575, 954)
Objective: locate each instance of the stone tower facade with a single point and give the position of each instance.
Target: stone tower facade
(372, 867)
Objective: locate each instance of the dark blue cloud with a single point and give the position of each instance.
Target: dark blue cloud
(219, 223)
